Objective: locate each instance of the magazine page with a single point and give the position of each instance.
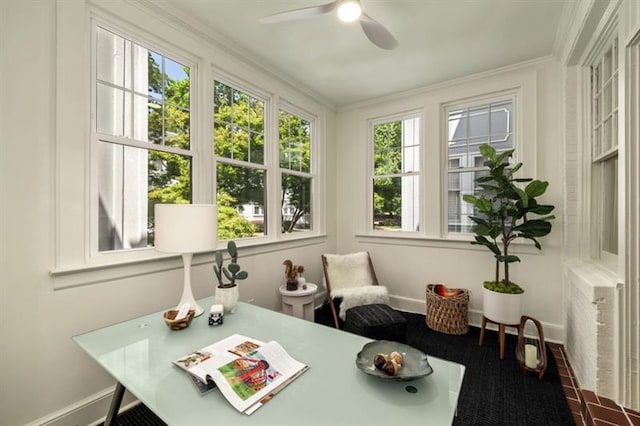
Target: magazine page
(251, 379)
(225, 350)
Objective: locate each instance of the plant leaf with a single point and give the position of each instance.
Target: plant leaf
(524, 199)
(506, 154)
(535, 242)
(488, 151)
(491, 246)
(508, 259)
(227, 274)
(542, 209)
(234, 268)
(536, 188)
(514, 169)
(470, 198)
(533, 228)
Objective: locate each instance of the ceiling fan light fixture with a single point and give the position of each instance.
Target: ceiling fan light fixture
(349, 10)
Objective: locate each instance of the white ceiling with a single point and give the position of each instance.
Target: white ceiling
(439, 40)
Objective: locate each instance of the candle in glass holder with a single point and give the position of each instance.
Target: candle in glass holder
(530, 356)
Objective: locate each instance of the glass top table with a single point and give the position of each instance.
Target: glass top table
(138, 353)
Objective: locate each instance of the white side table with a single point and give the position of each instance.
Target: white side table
(299, 303)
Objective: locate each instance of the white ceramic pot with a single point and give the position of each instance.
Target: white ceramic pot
(503, 308)
(228, 297)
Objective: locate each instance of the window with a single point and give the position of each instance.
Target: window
(468, 128)
(241, 174)
(142, 133)
(130, 133)
(396, 174)
(296, 178)
(604, 144)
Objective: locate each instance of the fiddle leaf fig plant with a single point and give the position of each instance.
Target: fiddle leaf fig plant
(505, 211)
(231, 272)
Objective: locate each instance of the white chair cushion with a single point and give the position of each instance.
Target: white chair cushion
(348, 270)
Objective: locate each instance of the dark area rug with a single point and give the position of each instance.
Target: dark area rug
(494, 391)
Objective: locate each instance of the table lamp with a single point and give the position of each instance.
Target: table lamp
(186, 229)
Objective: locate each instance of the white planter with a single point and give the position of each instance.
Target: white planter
(228, 297)
(502, 308)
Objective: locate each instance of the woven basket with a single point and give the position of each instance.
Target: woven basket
(447, 314)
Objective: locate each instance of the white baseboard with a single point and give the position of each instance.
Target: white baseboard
(552, 332)
(91, 410)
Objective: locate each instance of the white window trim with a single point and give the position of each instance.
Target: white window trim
(234, 83)
(523, 83)
(371, 123)
(313, 173)
(591, 234)
(515, 97)
(72, 264)
(274, 103)
(122, 255)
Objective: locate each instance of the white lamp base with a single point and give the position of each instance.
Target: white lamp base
(187, 294)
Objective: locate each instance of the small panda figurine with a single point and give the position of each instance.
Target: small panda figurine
(216, 314)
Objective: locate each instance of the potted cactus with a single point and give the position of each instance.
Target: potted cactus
(503, 213)
(227, 292)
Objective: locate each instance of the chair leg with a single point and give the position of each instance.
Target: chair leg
(335, 315)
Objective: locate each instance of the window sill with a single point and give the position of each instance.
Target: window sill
(457, 243)
(75, 276)
(589, 277)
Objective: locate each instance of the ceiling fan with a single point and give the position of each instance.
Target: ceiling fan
(348, 11)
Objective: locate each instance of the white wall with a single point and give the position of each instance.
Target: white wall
(44, 375)
(406, 266)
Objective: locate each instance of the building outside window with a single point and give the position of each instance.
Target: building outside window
(295, 134)
(468, 128)
(241, 173)
(604, 153)
(396, 174)
(142, 138)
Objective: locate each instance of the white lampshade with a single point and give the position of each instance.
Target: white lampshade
(185, 228)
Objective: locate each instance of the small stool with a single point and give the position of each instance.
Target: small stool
(501, 333)
(377, 321)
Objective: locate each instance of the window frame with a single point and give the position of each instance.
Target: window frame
(371, 176)
(273, 103)
(512, 96)
(97, 138)
(72, 262)
(595, 162)
(246, 88)
(292, 109)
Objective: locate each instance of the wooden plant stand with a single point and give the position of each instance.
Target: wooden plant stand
(501, 332)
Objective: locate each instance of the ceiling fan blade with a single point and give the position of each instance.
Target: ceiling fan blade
(303, 13)
(377, 33)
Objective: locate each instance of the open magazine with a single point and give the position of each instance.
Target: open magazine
(247, 372)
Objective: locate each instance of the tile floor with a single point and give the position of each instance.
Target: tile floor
(589, 409)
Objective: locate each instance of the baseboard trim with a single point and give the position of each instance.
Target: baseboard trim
(552, 332)
(88, 411)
